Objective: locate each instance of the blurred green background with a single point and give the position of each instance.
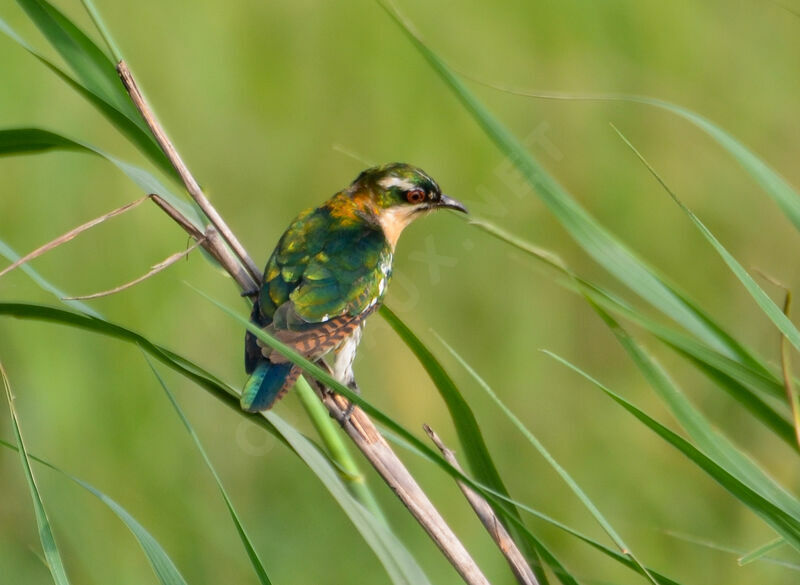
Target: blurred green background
(263, 100)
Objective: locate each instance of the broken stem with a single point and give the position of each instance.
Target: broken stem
(186, 176)
(211, 243)
(64, 238)
(164, 264)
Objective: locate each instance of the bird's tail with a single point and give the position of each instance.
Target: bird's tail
(267, 383)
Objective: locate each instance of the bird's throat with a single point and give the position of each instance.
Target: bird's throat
(393, 221)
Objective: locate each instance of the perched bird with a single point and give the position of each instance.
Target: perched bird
(329, 272)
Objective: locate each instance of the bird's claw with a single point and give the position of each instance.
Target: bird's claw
(350, 405)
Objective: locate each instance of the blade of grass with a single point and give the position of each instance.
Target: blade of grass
(33, 140)
(727, 549)
(760, 552)
(782, 522)
(230, 398)
(502, 501)
(400, 562)
(757, 375)
(350, 474)
(54, 562)
(356, 481)
(763, 300)
(740, 380)
(162, 565)
(587, 232)
(155, 269)
(623, 559)
(225, 393)
(565, 476)
(16, 141)
(255, 561)
(101, 28)
(771, 417)
(93, 68)
(467, 428)
(711, 442)
(772, 182)
(498, 498)
(408, 439)
(133, 128)
(11, 255)
(466, 425)
(70, 235)
(324, 377)
(557, 568)
(376, 537)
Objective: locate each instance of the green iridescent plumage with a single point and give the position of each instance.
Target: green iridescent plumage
(326, 268)
(330, 271)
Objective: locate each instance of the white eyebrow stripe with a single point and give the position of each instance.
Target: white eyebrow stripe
(396, 182)
(427, 176)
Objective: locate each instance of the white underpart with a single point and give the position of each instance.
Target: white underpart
(386, 266)
(386, 270)
(345, 355)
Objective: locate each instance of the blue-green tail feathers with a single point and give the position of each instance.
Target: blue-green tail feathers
(266, 384)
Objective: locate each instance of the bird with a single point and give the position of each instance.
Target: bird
(329, 272)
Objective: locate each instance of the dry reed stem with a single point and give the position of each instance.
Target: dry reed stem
(64, 238)
(186, 176)
(516, 560)
(155, 269)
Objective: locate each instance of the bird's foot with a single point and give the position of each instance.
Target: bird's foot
(322, 389)
(350, 405)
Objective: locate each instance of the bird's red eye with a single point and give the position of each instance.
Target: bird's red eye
(415, 196)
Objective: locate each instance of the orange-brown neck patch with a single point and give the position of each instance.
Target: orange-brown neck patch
(349, 209)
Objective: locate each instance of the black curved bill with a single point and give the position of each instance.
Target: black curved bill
(450, 203)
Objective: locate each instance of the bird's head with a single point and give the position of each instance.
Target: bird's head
(400, 193)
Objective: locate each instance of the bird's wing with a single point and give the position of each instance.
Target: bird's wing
(326, 269)
(311, 340)
(304, 239)
(320, 284)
